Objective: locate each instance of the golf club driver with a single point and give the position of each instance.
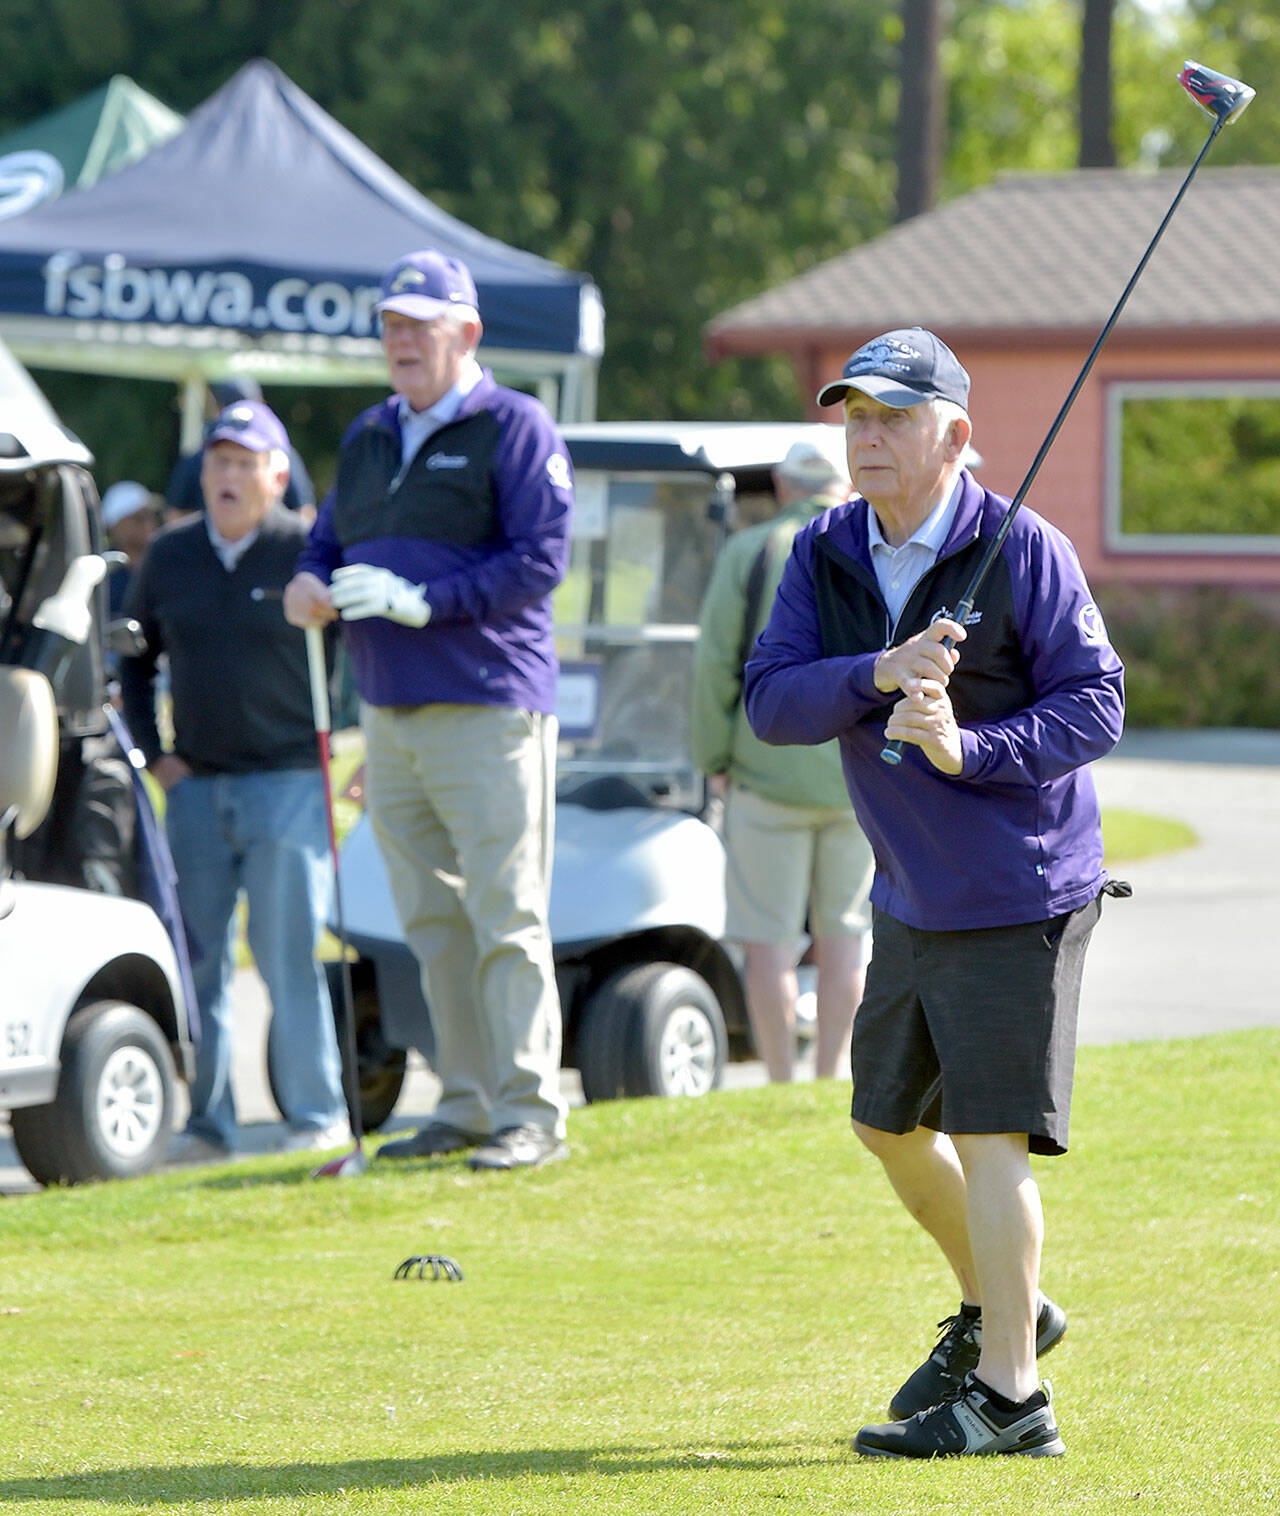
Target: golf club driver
(1224, 99)
(354, 1162)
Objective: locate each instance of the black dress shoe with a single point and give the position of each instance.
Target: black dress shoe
(431, 1141)
(519, 1147)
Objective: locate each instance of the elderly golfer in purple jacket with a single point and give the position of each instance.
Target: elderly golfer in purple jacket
(439, 546)
(988, 850)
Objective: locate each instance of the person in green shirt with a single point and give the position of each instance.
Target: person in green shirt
(794, 851)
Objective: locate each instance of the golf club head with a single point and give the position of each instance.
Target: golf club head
(1219, 94)
(348, 1166)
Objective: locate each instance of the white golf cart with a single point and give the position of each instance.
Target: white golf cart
(94, 1026)
(652, 997)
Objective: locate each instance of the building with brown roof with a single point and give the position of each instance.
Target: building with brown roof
(1019, 278)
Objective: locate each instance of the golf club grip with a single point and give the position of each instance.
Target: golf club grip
(891, 752)
(318, 674)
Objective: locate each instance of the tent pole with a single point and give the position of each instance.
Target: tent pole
(585, 389)
(192, 434)
(578, 390)
(549, 393)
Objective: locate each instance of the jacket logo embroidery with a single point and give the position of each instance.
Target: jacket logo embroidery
(974, 618)
(1091, 624)
(558, 471)
(447, 460)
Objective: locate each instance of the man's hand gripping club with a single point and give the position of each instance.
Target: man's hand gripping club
(921, 668)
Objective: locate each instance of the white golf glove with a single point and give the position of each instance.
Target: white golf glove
(360, 590)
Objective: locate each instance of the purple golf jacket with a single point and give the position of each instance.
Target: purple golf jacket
(480, 518)
(1038, 693)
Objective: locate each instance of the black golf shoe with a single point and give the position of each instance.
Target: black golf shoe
(434, 1140)
(519, 1147)
(957, 1354)
(968, 1422)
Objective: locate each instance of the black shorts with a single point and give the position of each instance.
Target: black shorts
(972, 1031)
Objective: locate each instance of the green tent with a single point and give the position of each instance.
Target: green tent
(104, 130)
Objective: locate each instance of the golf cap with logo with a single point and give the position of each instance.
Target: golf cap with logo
(424, 285)
(902, 368)
(251, 423)
(806, 463)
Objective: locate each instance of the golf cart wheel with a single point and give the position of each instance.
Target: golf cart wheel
(113, 1110)
(381, 1066)
(652, 1029)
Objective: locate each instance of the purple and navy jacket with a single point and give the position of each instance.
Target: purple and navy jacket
(481, 520)
(1038, 693)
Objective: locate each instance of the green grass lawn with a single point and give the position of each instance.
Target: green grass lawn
(1130, 836)
(691, 1315)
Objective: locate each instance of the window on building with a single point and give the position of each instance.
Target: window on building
(1193, 467)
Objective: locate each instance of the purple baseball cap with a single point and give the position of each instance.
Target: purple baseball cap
(424, 285)
(251, 423)
(902, 368)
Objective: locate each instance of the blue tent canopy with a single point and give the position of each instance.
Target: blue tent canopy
(255, 240)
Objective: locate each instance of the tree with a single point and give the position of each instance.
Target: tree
(920, 112)
(1013, 89)
(685, 153)
(1096, 147)
(1242, 39)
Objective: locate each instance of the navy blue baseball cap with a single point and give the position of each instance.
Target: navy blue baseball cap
(424, 285)
(251, 423)
(902, 368)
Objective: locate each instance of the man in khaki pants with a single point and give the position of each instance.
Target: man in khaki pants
(439, 546)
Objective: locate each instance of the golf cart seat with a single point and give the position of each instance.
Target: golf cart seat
(28, 749)
(48, 526)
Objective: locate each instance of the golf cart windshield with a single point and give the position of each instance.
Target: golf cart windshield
(47, 520)
(654, 503)
(626, 622)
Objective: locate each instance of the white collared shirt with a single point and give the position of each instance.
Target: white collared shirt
(417, 426)
(900, 569)
(230, 552)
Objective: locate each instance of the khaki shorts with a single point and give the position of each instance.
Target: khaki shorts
(789, 862)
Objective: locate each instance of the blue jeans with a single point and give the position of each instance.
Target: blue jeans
(263, 833)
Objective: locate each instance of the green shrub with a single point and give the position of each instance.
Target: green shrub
(1197, 657)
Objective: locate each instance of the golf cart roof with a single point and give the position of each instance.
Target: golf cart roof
(709, 447)
(30, 432)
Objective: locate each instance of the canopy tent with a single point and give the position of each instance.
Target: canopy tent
(254, 241)
(110, 127)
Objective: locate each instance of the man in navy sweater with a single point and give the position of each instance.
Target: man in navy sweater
(988, 849)
(244, 798)
(439, 546)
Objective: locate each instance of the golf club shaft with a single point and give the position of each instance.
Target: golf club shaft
(891, 753)
(318, 673)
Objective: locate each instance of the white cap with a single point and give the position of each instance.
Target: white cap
(124, 499)
(806, 463)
